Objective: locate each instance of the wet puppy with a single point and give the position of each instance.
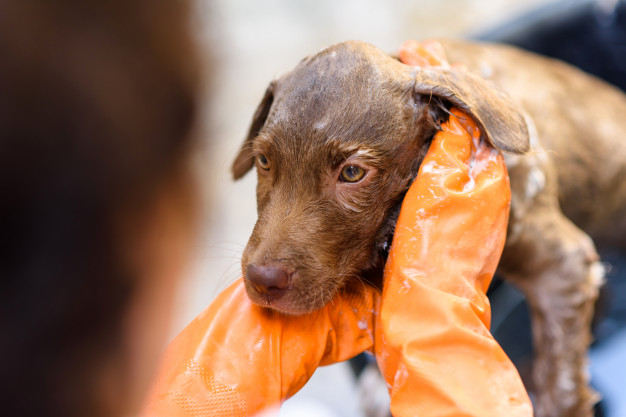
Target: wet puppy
(337, 141)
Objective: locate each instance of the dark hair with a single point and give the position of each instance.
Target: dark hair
(97, 102)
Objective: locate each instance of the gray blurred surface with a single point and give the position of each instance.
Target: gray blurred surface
(252, 43)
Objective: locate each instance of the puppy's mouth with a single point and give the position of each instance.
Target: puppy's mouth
(285, 296)
(278, 288)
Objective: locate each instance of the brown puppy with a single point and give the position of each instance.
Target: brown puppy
(337, 141)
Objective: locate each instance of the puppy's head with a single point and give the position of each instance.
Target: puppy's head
(336, 143)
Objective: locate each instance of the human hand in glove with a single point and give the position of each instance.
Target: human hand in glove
(433, 343)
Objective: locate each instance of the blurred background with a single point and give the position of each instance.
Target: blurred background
(252, 42)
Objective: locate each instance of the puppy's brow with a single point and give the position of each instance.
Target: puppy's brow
(261, 143)
(367, 153)
(347, 149)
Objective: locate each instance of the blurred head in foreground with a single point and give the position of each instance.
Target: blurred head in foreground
(97, 104)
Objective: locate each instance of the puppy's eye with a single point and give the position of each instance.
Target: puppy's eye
(263, 162)
(351, 173)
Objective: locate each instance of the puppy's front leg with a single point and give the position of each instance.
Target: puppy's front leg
(556, 265)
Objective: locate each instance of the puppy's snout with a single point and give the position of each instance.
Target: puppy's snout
(272, 280)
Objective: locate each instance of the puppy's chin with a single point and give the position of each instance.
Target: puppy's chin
(291, 302)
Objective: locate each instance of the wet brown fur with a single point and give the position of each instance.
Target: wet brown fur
(563, 132)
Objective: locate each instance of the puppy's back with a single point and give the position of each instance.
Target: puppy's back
(580, 121)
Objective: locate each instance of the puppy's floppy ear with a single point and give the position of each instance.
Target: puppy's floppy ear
(244, 160)
(500, 120)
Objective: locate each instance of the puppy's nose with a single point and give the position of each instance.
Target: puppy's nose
(272, 280)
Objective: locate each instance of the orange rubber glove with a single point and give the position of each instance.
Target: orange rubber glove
(237, 359)
(433, 344)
